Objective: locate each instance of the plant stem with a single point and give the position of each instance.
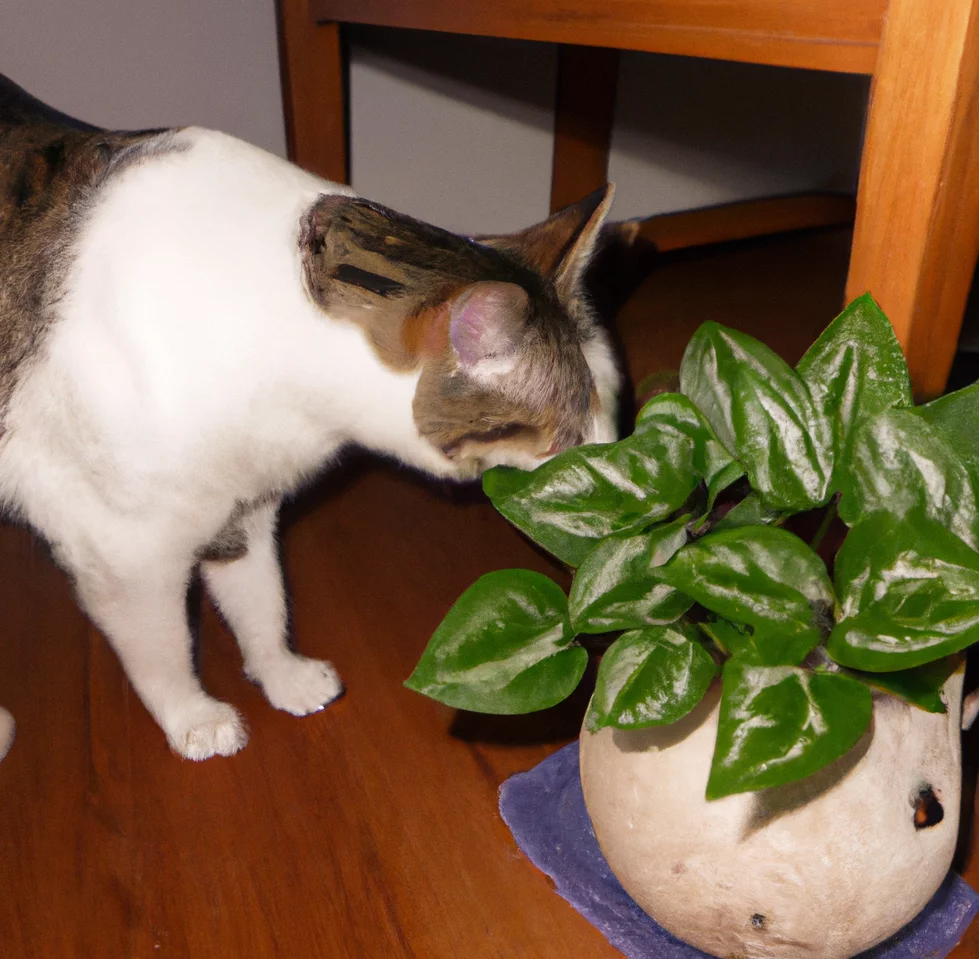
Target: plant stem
(824, 526)
(710, 634)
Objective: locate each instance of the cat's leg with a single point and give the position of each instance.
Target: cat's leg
(6, 731)
(249, 593)
(143, 614)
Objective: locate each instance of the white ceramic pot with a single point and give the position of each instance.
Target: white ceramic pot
(6, 731)
(819, 869)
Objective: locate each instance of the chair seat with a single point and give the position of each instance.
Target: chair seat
(818, 34)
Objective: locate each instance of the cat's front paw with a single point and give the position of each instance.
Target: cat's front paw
(6, 731)
(206, 727)
(297, 684)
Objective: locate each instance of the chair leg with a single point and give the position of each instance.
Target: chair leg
(311, 60)
(916, 237)
(583, 111)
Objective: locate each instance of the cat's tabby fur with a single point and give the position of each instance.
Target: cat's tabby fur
(191, 328)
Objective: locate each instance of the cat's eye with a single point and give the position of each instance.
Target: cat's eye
(503, 432)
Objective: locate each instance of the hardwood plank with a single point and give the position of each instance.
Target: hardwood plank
(313, 72)
(357, 842)
(767, 287)
(107, 832)
(739, 221)
(584, 109)
(917, 226)
(371, 828)
(47, 818)
(828, 35)
(631, 248)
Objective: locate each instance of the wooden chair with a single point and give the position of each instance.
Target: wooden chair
(916, 234)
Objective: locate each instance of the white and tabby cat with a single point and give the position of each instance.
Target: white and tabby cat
(190, 328)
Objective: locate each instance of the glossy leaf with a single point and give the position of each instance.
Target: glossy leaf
(751, 511)
(921, 686)
(725, 635)
(763, 577)
(650, 677)
(779, 724)
(763, 644)
(908, 460)
(504, 647)
(587, 493)
(763, 412)
(954, 419)
(711, 460)
(855, 371)
(909, 594)
(615, 587)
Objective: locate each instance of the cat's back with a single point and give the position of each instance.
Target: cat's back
(50, 162)
(127, 243)
(62, 190)
(52, 169)
(19, 109)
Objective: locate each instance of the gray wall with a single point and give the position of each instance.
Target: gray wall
(692, 133)
(150, 63)
(456, 130)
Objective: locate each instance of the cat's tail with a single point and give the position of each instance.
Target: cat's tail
(6, 731)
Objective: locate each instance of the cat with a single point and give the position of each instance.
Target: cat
(192, 328)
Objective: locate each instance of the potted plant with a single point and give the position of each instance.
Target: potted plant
(771, 754)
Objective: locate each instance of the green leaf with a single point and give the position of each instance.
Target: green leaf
(763, 577)
(728, 637)
(855, 371)
(504, 647)
(954, 419)
(711, 460)
(763, 412)
(922, 458)
(921, 686)
(764, 645)
(905, 461)
(589, 492)
(909, 594)
(780, 724)
(615, 587)
(650, 677)
(749, 512)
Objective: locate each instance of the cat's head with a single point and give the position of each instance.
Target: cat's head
(511, 365)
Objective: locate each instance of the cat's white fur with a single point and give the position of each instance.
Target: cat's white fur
(189, 371)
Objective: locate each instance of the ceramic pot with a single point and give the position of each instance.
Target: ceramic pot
(6, 731)
(819, 869)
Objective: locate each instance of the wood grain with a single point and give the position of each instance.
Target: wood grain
(740, 221)
(917, 226)
(314, 94)
(839, 35)
(584, 109)
(367, 830)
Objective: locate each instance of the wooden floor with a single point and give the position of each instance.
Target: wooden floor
(370, 829)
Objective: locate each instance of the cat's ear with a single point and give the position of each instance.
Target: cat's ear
(561, 247)
(487, 321)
